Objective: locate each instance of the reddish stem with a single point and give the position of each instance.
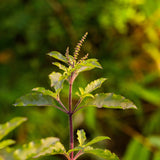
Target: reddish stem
(70, 117)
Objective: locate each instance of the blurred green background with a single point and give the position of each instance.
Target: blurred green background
(123, 34)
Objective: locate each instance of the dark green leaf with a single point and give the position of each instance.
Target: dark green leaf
(81, 136)
(44, 91)
(58, 56)
(10, 125)
(106, 154)
(95, 140)
(36, 99)
(6, 143)
(109, 100)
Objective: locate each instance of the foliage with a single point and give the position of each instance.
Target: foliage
(5, 129)
(43, 97)
(124, 35)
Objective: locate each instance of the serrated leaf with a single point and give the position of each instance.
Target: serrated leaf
(109, 100)
(88, 65)
(60, 66)
(57, 148)
(37, 149)
(81, 137)
(106, 154)
(94, 85)
(95, 140)
(35, 99)
(58, 56)
(10, 125)
(6, 143)
(56, 81)
(45, 91)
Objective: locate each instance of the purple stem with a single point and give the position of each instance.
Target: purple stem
(79, 101)
(60, 102)
(78, 154)
(70, 117)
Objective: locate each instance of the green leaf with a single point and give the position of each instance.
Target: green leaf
(57, 148)
(87, 65)
(106, 154)
(58, 56)
(94, 85)
(81, 136)
(56, 81)
(109, 100)
(62, 67)
(6, 143)
(10, 125)
(47, 146)
(44, 91)
(35, 99)
(97, 139)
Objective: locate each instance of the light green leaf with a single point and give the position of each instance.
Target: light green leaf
(44, 91)
(97, 139)
(57, 148)
(39, 148)
(10, 125)
(109, 100)
(56, 81)
(62, 67)
(81, 136)
(6, 143)
(106, 154)
(36, 99)
(88, 65)
(94, 85)
(58, 56)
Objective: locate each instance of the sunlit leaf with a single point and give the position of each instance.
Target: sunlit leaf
(10, 125)
(106, 154)
(94, 85)
(57, 148)
(39, 148)
(35, 99)
(88, 65)
(97, 139)
(109, 100)
(61, 66)
(56, 81)
(58, 56)
(6, 143)
(45, 91)
(81, 137)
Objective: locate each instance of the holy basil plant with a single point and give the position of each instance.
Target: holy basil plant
(70, 67)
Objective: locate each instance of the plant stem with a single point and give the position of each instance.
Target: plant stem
(71, 135)
(70, 117)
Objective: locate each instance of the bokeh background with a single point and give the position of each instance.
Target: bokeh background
(124, 35)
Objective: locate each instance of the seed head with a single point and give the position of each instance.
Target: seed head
(78, 46)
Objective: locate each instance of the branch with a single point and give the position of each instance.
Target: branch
(79, 101)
